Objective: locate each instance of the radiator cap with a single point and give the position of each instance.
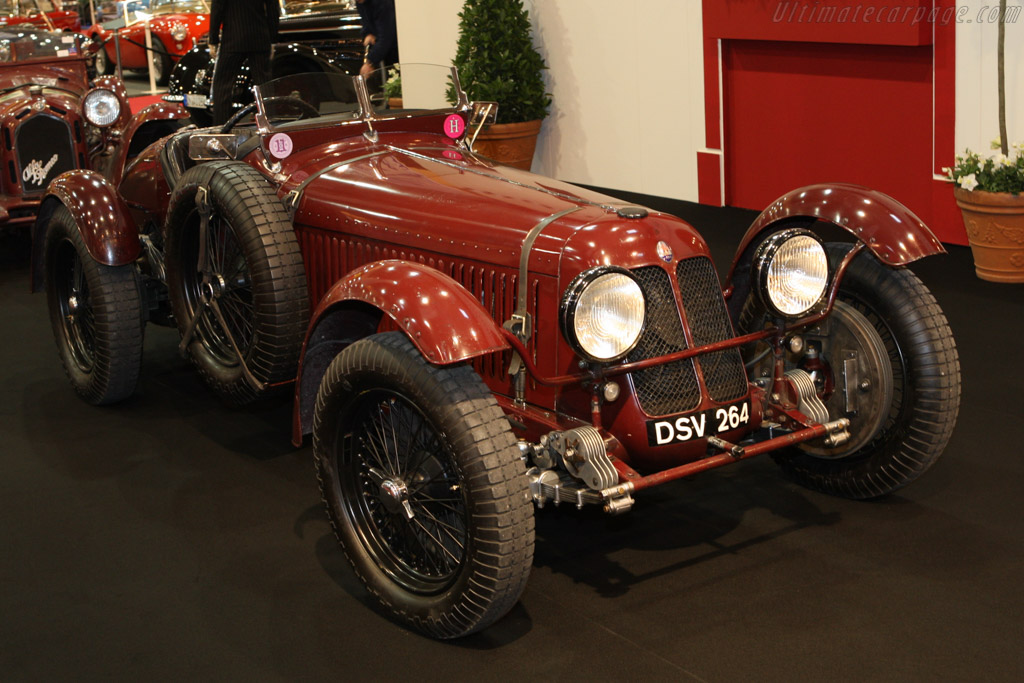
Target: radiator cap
(631, 212)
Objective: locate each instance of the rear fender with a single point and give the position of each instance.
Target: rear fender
(441, 318)
(889, 229)
(103, 220)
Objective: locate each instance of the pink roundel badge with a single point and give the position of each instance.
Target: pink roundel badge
(454, 126)
(281, 145)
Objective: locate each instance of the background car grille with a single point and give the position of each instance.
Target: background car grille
(672, 387)
(44, 149)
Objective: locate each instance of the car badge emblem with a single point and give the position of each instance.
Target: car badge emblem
(281, 145)
(39, 105)
(454, 126)
(665, 252)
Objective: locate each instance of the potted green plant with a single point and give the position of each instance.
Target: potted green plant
(988, 192)
(497, 62)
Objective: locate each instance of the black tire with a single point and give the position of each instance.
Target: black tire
(96, 315)
(256, 266)
(914, 417)
(103, 63)
(464, 448)
(162, 62)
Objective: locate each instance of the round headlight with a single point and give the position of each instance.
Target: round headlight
(602, 313)
(101, 108)
(179, 31)
(791, 272)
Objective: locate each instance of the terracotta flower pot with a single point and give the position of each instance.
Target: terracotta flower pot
(509, 143)
(995, 230)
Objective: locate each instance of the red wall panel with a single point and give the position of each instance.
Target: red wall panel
(799, 113)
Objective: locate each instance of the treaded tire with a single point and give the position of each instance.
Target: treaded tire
(265, 283)
(103, 63)
(96, 315)
(472, 459)
(926, 386)
(162, 62)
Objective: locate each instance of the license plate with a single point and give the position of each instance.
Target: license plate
(195, 101)
(680, 429)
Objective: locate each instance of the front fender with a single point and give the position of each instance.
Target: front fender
(441, 318)
(107, 228)
(889, 229)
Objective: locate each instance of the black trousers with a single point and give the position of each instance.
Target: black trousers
(228, 72)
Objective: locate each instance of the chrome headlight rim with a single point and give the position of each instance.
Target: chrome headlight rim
(90, 103)
(178, 31)
(568, 310)
(765, 255)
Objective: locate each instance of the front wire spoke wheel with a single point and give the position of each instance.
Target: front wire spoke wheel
(903, 408)
(424, 486)
(403, 533)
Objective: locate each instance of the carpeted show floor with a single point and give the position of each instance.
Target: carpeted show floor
(171, 538)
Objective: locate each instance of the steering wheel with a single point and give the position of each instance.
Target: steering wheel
(300, 104)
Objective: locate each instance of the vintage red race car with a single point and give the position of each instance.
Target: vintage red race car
(44, 15)
(465, 340)
(53, 119)
(175, 26)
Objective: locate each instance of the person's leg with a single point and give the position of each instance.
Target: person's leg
(228, 65)
(259, 67)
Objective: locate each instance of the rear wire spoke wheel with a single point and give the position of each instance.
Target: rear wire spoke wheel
(424, 486)
(909, 395)
(96, 315)
(253, 270)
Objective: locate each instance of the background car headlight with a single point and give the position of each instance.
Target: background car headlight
(602, 313)
(101, 108)
(791, 272)
(179, 31)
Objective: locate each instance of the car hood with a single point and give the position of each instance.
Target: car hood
(437, 198)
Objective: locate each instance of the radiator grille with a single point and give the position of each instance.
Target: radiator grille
(44, 149)
(671, 387)
(724, 376)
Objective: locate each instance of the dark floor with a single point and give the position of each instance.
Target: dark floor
(171, 538)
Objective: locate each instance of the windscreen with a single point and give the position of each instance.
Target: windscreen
(401, 89)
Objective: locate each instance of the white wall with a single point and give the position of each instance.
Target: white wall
(977, 120)
(628, 95)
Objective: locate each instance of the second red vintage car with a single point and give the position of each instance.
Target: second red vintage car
(176, 26)
(466, 340)
(53, 119)
(47, 15)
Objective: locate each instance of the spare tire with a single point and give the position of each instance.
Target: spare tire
(241, 303)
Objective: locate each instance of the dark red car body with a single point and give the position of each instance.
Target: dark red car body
(404, 230)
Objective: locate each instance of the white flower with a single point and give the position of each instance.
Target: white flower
(948, 171)
(1001, 160)
(968, 182)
